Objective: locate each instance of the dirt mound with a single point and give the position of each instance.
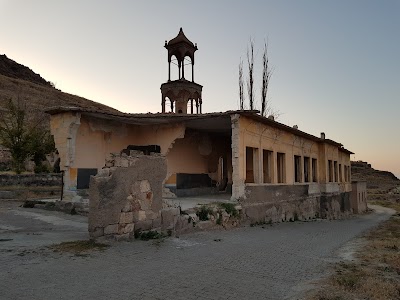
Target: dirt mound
(12, 69)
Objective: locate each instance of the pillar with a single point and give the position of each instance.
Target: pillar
(169, 70)
(162, 103)
(191, 106)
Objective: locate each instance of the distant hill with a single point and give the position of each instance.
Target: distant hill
(18, 81)
(380, 184)
(12, 69)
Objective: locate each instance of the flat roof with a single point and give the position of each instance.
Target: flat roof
(216, 121)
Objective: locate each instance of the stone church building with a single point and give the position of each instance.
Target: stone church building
(270, 168)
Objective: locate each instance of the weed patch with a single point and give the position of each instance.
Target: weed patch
(203, 213)
(148, 235)
(78, 247)
(229, 208)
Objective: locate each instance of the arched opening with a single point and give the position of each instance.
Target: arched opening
(187, 70)
(180, 111)
(176, 74)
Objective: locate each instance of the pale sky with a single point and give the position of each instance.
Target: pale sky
(336, 63)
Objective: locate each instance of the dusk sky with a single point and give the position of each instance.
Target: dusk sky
(336, 64)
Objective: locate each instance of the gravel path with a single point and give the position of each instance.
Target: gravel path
(275, 262)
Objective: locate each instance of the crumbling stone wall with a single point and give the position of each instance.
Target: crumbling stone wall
(31, 180)
(280, 203)
(127, 196)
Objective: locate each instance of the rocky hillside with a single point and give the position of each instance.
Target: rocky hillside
(12, 69)
(18, 81)
(381, 185)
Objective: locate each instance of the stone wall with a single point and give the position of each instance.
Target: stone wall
(280, 203)
(359, 196)
(31, 180)
(126, 200)
(127, 197)
(33, 186)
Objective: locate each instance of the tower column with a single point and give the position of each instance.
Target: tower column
(162, 103)
(169, 70)
(201, 102)
(192, 71)
(183, 68)
(191, 106)
(172, 106)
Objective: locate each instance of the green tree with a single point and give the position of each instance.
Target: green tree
(23, 131)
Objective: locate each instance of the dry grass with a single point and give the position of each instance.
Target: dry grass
(42, 97)
(79, 247)
(376, 273)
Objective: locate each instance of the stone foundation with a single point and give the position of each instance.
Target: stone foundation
(280, 203)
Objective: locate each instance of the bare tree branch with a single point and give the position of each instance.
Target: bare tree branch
(241, 86)
(250, 80)
(266, 77)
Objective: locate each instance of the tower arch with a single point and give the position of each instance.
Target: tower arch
(181, 92)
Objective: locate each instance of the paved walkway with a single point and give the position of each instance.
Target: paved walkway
(275, 262)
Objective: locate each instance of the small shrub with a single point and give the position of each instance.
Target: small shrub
(203, 213)
(229, 208)
(148, 235)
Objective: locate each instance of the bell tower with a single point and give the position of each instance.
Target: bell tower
(181, 94)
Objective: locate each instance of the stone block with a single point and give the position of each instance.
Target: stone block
(97, 232)
(128, 228)
(127, 207)
(111, 229)
(126, 217)
(169, 217)
(203, 225)
(150, 215)
(145, 186)
(156, 223)
(144, 225)
(194, 217)
(139, 215)
(122, 237)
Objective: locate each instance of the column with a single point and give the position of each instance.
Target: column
(197, 106)
(169, 70)
(191, 106)
(162, 104)
(192, 71)
(172, 106)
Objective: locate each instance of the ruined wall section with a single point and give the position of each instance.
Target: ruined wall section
(359, 196)
(127, 196)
